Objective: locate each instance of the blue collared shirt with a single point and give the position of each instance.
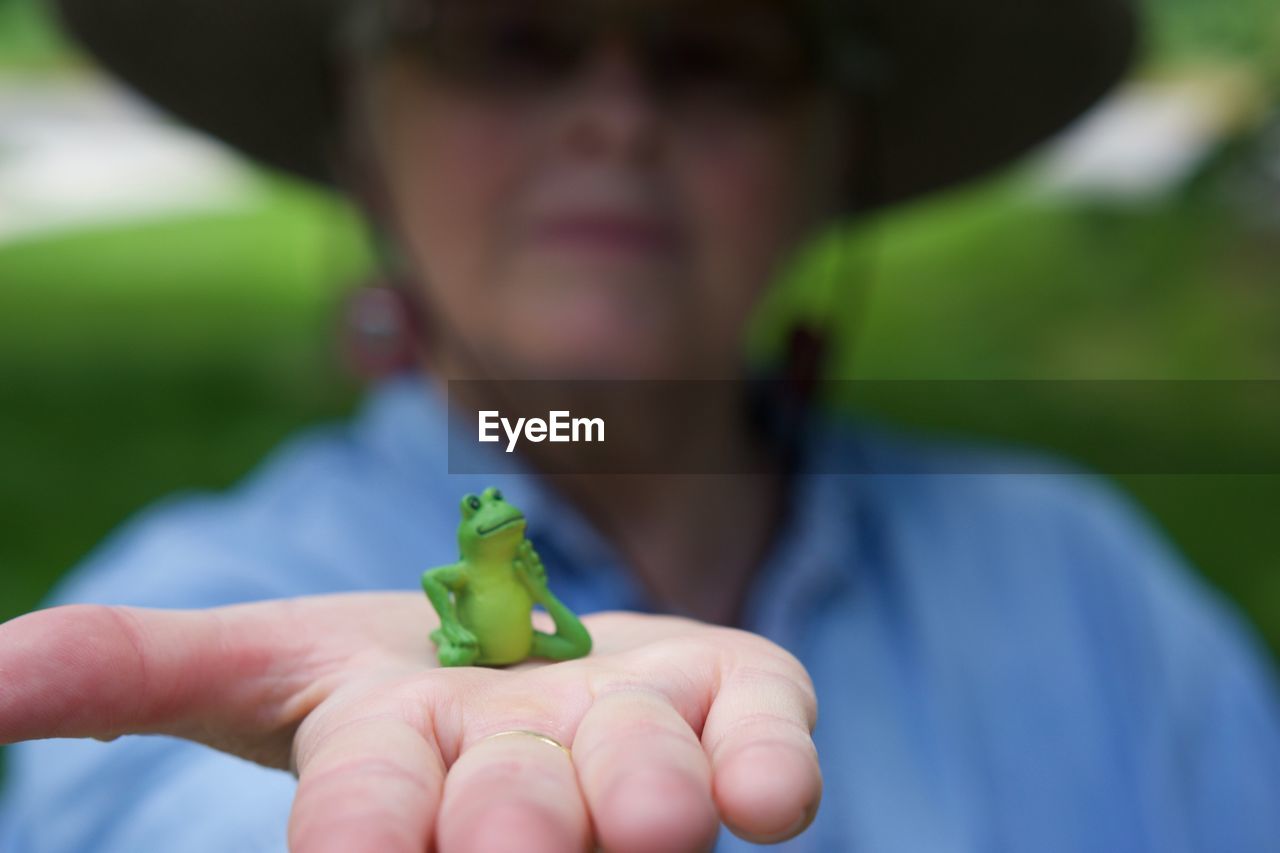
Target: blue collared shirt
(1004, 662)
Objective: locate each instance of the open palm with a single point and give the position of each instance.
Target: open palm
(673, 725)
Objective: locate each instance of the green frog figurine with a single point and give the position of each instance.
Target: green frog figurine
(495, 585)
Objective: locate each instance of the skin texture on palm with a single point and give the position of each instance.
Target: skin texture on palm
(672, 724)
(494, 585)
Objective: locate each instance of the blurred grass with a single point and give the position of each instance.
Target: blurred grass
(27, 38)
(140, 360)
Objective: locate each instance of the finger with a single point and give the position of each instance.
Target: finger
(367, 785)
(644, 774)
(513, 792)
(98, 671)
(237, 678)
(767, 782)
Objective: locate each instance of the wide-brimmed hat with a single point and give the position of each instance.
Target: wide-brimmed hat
(958, 86)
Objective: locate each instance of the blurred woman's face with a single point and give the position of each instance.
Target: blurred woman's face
(588, 202)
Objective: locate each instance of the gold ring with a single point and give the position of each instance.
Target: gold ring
(547, 739)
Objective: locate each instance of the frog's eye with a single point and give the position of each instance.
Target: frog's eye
(497, 495)
(473, 502)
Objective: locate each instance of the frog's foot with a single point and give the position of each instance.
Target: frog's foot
(453, 654)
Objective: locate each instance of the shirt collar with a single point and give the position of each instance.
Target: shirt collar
(816, 552)
(406, 422)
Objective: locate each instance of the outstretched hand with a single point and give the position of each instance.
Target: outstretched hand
(673, 725)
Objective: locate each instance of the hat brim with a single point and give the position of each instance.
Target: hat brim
(964, 87)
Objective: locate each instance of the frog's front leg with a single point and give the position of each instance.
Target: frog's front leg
(571, 639)
(455, 644)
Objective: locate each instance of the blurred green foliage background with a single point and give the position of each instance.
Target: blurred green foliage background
(141, 359)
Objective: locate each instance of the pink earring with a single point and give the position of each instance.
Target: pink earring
(381, 330)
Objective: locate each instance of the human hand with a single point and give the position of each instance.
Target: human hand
(672, 724)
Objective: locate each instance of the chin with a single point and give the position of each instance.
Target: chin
(613, 346)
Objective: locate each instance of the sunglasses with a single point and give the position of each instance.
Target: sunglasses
(749, 53)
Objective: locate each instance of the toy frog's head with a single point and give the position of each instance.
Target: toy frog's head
(490, 526)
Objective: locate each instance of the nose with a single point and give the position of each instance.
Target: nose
(611, 110)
